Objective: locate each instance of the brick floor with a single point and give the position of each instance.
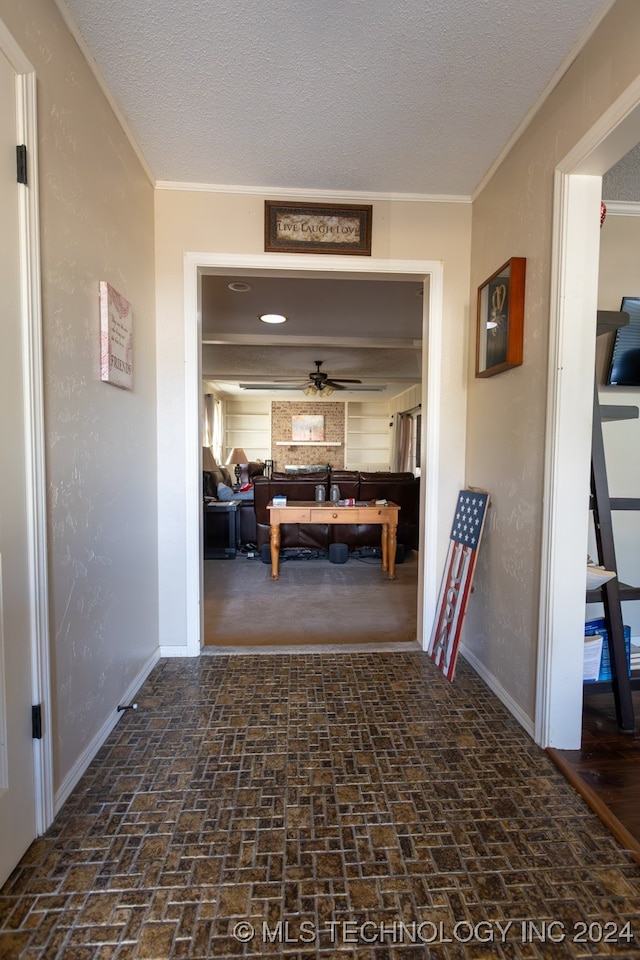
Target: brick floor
(342, 805)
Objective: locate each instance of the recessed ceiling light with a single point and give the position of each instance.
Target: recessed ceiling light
(239, 286)
(272, 318)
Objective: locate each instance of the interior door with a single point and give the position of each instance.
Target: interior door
(17, 790)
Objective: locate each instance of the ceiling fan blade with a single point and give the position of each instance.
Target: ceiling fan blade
(301, 386)
(271, 386)
(335, 380)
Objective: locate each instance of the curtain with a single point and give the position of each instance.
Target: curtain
(207, 420)
(401, 459)
(217, 429)
(212, 425)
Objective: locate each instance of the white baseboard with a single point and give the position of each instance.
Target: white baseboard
(496, 687)
(174, 651)
(87, 755)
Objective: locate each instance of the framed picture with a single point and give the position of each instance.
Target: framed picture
(501, 319)
(317, 228)
(116, 338)
(307, 427)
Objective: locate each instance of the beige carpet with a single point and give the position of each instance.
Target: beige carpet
(313, 602)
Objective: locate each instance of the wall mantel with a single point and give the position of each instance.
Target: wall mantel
(308, 443)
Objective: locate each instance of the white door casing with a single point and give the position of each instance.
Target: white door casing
(428, 270)
(26, 806)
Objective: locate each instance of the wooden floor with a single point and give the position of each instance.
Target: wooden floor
(606, 769)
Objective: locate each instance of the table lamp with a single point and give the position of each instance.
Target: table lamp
(237, 456)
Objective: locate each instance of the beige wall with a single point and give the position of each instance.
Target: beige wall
(96, 208)
(512, 216)
(234, 223)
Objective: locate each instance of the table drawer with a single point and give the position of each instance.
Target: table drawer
(350, 515)
(292, 514)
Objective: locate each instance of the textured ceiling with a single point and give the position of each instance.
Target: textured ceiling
(368, 329)
(389, 96)
(372, 97)
(622, 182)
(319, 310)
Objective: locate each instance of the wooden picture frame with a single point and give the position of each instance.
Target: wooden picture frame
(317, 228)
(500, 325)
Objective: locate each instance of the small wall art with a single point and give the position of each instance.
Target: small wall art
(501, 319)
(116, 338)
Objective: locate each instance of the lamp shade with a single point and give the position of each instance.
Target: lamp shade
(208, 460)
(237, 455)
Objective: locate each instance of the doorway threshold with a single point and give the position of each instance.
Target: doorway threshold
(333, 648)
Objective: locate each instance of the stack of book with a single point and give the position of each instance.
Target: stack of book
(635, 653)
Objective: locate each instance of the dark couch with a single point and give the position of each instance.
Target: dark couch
(400, 488)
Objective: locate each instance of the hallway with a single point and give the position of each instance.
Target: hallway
(321, 801)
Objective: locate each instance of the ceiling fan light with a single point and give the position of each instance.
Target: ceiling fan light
(310, 390)
(327, 391)
(272, 318)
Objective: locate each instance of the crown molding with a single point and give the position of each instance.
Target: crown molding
(623, 208)
(297, 193)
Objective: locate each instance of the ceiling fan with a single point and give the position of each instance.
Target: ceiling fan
(318, 383)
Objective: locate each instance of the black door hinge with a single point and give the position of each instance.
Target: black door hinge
(36, 721)
(21, 160)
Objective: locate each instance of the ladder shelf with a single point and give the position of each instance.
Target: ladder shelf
(613, 592)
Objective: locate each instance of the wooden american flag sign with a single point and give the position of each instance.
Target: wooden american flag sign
(466, 533)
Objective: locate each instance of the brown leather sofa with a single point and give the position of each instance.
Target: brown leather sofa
(400, 488)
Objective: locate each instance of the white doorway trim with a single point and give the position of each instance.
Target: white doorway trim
(195, 264)
(574, 301)
(31, 322)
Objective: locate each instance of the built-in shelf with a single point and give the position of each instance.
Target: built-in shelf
(610, 320)
(618, 412)
(308, 443)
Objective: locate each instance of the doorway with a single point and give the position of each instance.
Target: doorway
(574, 298)
(366, 328)
(299, 265)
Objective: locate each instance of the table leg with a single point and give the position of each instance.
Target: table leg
(275, 550)
(384, 543)
(393, 542)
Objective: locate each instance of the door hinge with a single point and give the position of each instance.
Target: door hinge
(21, 161)
(36, 721)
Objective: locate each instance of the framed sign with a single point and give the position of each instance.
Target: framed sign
(116, 338)
(501, 319)
(317, 228)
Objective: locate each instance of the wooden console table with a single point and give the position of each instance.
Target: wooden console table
(308, 511)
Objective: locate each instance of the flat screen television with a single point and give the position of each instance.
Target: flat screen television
(624, 369)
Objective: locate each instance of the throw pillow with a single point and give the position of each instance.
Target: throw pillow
(208, 484)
